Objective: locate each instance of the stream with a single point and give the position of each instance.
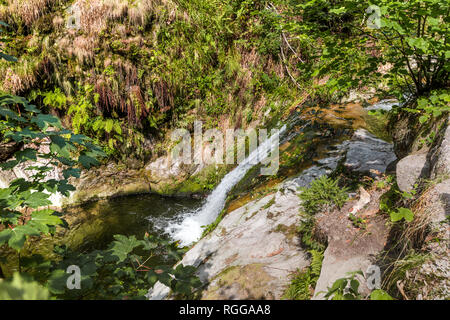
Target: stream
(182, 219)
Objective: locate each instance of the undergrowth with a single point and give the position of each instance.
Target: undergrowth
(304, 281)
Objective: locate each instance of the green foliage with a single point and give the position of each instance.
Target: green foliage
(302, 286)
(391, 203)
(358, 222)
(31, 128)
(307, 234)
(402, 213)
(3, 55)
(403, 31)
(380, 294)
(55, 99)
(323, 191)
(125, 270)
(431, 106)
(345, 288)
(211, 227)
(22, 288)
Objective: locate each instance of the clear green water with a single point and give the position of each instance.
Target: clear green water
(130, 215)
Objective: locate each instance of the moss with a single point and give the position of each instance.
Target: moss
(270, 203)
(289, 231)
(248, 282)
(211, 227)
(206, 180)
(377, 125)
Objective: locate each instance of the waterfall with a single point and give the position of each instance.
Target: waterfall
(190, 228)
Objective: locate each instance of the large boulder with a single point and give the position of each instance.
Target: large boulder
(350, 248)
(251, 253)
(366, 153)
(410, 169)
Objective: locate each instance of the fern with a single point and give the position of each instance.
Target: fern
(316, 262)
(322, 192)
(303, 284)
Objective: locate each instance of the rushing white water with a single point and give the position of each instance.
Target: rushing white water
(190, 228)
(385, 105)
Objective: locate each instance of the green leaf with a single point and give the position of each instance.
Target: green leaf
(401, 213)
(109, 125)
(423, 118)
(339, 10)
(37, 199)
(354, 284)
(19, 235)
(5, 193)
(25, 155)
(60, 146)
(44, 121)
(380, 295)
(21, 288)
(40, 219)
(123, 245)
(71, 172)
(57, 282)
(64, 187)
(87, 161)
(5, 235)
(418, 43)
(117, 128)
(11, 115)
(8, 57)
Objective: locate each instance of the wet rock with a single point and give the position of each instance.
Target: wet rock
(322, 167)
(366, 153)
(108, 181)
(410, 169)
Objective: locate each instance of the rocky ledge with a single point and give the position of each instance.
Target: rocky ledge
(255, 249)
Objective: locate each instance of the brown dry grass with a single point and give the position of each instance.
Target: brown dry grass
(28, 10)
(20, 78)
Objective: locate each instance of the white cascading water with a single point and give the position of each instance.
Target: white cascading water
(190, 228)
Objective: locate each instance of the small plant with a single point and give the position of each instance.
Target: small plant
(401, 213)
(323, 191)
(308, 238)
(302, 286)
(358, 222)
(345, 288)
(401, 271)
(211, 227)
(380, 294)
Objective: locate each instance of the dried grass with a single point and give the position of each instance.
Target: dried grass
(28, 10)
(82, 47)
(20, 77)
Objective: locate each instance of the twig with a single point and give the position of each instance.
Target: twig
(287, 69)
(400, 288)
